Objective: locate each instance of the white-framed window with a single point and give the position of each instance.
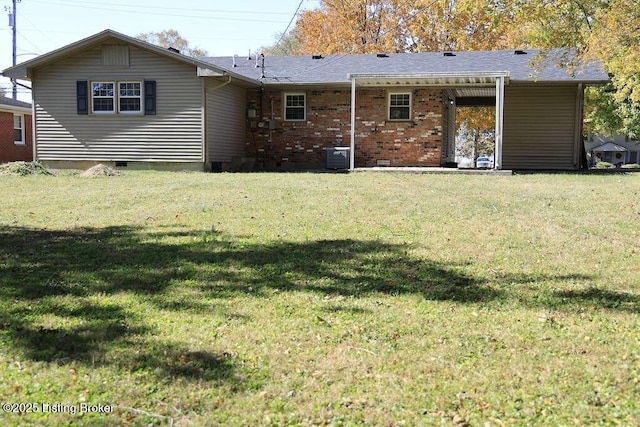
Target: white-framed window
(111, 97)
(18, 129)
(103, 97)
(400, 106)
(130, 97)
(295, 106)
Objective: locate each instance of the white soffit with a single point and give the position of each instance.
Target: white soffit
(475, 92)
(428, 79)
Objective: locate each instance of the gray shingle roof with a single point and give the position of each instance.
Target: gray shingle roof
(13, 103)
(334, 69)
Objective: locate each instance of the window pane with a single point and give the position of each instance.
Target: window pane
(17, 135)
(295, 113)
(129, 104)
(102, 89)
(295, 100)
(130, 89)
(400, 99)
(399, 113)
(17, 121)
(102, 104)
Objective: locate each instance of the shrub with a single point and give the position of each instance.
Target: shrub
(631, 166)
(603, 165)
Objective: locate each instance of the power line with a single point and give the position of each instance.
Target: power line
(146, 12)
(26, 18)
(145, 8)
(284, 33)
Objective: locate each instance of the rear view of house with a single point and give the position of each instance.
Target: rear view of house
(112, 98)
(15, 131)
(117, 100)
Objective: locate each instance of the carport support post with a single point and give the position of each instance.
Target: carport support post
(499, 121)
(352, 154)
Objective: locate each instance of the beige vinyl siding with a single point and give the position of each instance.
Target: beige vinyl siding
(173, 134)
(539, 127)
(226, 121)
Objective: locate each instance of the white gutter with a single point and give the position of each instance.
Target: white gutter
(489, 74)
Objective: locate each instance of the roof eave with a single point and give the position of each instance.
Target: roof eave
(587, 82)
(23, 70)
(12, 109)
(441, 79)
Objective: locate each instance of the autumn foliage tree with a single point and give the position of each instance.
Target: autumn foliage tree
(368, 26)
(598, 30)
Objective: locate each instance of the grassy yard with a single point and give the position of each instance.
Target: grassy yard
(320, 299)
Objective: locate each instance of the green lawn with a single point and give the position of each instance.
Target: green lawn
(320, 299)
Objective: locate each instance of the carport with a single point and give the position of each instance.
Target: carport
(462, 89)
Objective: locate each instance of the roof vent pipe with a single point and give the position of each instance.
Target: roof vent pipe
(262, 76)
(234, 61)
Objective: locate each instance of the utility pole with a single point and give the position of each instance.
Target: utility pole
(12, 24)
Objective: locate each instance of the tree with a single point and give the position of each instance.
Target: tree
(475, 134)
(368, 26)
(286, 44)
(459, 25)
(346, 26)
(171, 38)
(600, 30)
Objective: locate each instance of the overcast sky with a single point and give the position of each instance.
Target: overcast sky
(221, 27)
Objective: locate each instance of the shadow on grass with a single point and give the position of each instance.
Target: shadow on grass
(64, 274)
(65, 292)
(84, 262)
(595, 298)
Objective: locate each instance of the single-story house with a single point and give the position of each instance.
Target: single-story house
(15, 131)
(618, 149)
(113, 98)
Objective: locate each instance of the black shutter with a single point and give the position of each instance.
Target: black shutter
(149, 97)
(82, 96)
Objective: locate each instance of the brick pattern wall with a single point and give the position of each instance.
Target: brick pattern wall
(276, 143)
(9, 151)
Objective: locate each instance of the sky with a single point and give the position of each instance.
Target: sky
(222, 28)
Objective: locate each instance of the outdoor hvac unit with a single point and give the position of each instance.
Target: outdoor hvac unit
(337, 158)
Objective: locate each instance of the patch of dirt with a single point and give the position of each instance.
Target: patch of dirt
(100, 170)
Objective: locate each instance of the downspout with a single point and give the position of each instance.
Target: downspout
(221, 85)
(578, 149)
(499, 121)
(352, 154)
(33, 126)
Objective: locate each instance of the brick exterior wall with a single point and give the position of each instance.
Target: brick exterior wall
(9, 151)
(301, 144)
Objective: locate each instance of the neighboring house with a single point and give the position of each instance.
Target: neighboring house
(113, 98)
(15, 131)
(617, 150)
